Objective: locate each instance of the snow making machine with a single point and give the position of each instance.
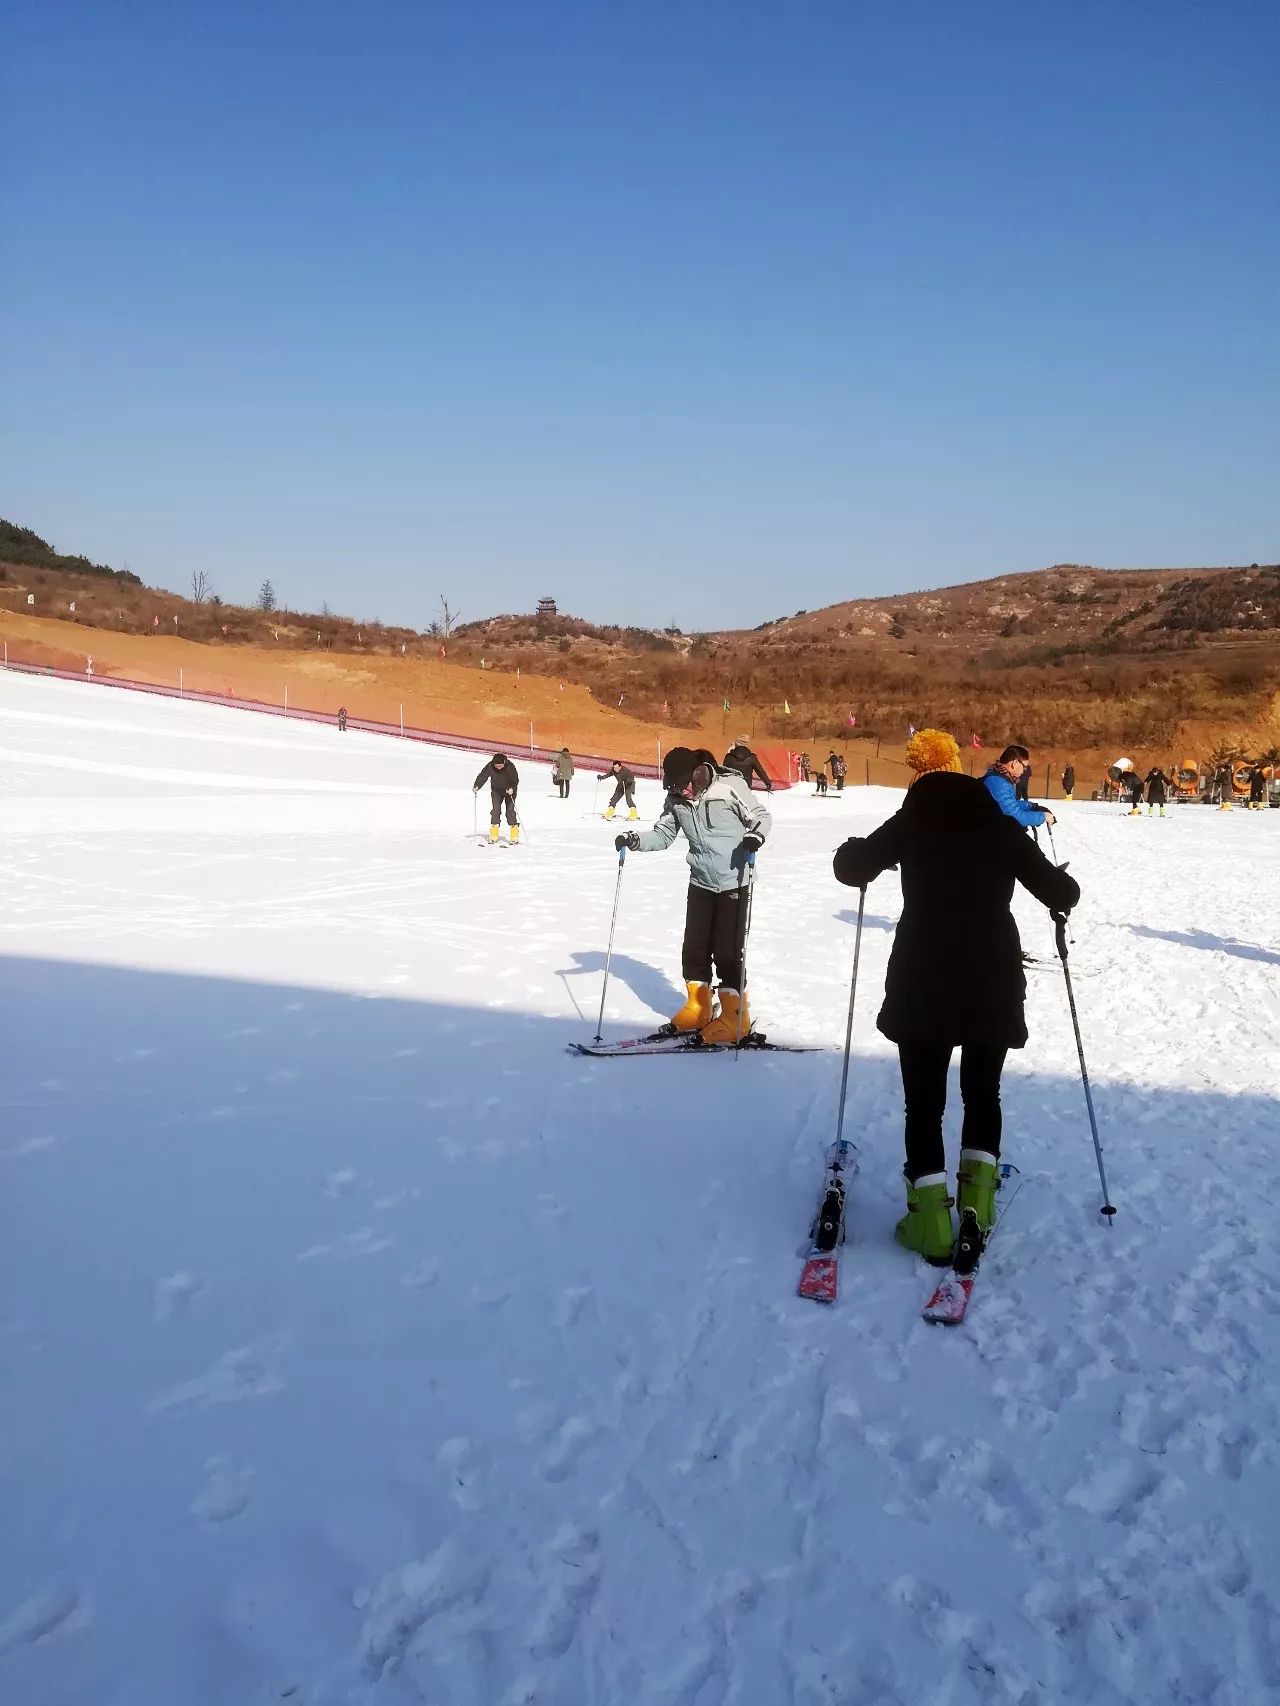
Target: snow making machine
(1188, 782)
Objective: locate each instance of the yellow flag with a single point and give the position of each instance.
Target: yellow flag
(786, 707)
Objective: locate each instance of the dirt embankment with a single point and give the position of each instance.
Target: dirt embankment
(492, 705)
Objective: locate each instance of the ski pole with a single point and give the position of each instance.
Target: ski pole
(1052, 847)
(848, 1030)
(750, 860)
(1060, 926)
(475, 800)
(519, 821)
(608, 958)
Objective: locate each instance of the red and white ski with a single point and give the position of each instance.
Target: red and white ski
(820, 1276)
(949, 1301)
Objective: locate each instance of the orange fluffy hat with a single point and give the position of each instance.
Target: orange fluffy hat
(932, 749)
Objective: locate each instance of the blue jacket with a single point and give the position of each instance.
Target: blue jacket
(1005, 795)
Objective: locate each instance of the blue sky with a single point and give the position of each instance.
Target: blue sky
(702, 311)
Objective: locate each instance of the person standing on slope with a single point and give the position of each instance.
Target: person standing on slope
(1257, 788)
(1134, 783)
(836, 765)
(1001, 782)
(625, 784)
(723, 823)
(741, 758)
(562, 771)
(503, 779)
(955, 974)
(1157, 789)
(1069, 781)
(342, 719)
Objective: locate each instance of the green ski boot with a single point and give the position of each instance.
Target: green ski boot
(978, 1180)
(926, 1226)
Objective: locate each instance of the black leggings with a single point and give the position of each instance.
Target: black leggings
(713, 926)
(495, 808)
(562, 782)
(924, 1084)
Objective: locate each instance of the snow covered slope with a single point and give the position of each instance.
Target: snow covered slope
(358, 1344)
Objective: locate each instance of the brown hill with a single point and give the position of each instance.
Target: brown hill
(1071, 659)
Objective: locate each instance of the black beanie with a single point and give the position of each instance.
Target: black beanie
(677, 768)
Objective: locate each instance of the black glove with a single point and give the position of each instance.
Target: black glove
(752, 843)
(631, 841)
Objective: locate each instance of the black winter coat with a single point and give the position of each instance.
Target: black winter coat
(744, 761)
(1157, 786)
(955, 973)
(504, 781)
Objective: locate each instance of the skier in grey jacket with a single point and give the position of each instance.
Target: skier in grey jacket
(723, 822)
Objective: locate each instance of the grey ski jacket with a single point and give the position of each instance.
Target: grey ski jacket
(714, 826)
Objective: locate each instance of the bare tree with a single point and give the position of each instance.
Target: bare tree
(266, 596)
(201, 587)
(448, 618)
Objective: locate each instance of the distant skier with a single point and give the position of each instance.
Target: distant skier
(1069, 781)
(342, 719)
(1134, 784)
(562, 771)
(1001, 782)
(741, 758)
(836, 766)
(1224, 783)
(1022, 787)
(804, 766)
(625, 784)
(1257, 788)
(820, 781)
(723, 822)
(955, 974)
(503, 779)
(1157, 789)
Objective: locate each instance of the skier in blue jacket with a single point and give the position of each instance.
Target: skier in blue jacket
(1001, 782)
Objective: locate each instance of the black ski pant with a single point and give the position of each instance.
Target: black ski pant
(496, 801)
(713, 935)
(619, 791)
(924, 1085)
(821, 781)
(562, 782)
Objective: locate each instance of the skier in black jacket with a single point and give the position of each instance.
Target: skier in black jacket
(955, 974)
(503, 779)
(1157, 789)
(836, 765)
(1257, 788)
(624, 785)
(741, 758)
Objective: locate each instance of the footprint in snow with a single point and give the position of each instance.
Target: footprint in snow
(225, 1492)
(174, 1294)
(41, 1615)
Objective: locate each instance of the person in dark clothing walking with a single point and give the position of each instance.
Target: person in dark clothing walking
(625, 784)
(503, 779)
(1257, 788)
(741, 758)
(723, 823)
(1069, 781)
(1157, 789)
(342, 719)
(836, 765)
(562, 771)
(955, 974)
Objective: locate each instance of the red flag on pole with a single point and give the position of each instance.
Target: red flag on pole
(977, 743)
(852, 720)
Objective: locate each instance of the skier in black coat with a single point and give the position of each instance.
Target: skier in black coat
(1157, 789)
(624, 785)
(955, 974)
(1134, 786)
(741, 758)
(503, 779)
(1069, 781)
(1257, 788)
(836, 765)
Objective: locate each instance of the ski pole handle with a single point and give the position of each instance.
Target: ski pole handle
(1060, 931)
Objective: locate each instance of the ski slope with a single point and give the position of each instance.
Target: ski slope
(358, 1344)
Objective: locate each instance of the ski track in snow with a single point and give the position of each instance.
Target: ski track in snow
(366, 1347)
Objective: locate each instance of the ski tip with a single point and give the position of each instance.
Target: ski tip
(819, 1279)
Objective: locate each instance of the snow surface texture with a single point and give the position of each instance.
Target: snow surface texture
(358, 1344)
